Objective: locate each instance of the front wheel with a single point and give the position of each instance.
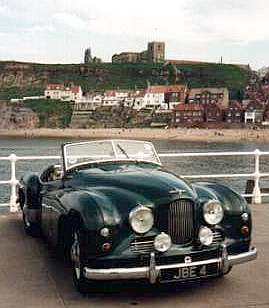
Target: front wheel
(229, 270)
(32, 229)
(225, 274)
(76, 252)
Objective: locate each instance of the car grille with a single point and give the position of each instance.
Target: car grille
(177, 219)
(142, 245)
(218, 237)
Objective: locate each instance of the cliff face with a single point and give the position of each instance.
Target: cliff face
(16, 117)
(18, 79)
(21, 76)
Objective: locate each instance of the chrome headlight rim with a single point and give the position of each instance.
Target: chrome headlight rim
(209, 218)
(162, 242)
(205, 241)
(132, 215)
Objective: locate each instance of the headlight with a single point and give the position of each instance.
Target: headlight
(213, 212)
(141, 219)
(205, 236)
(162, 242)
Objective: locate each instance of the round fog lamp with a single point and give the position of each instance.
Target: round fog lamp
(162, 242)
(104, 232)
(205, 236)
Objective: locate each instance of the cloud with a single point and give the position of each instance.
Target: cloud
(71, 20)
(5, 10)
(40, 29)
(234, 21)
(200, 28)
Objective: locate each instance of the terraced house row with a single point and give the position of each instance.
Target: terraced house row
(153, 97)
(173, 105)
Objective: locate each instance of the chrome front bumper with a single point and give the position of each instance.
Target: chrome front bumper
(151, 272)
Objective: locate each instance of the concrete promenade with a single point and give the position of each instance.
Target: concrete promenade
(31, 276)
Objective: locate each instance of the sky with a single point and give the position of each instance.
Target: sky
(58, 31)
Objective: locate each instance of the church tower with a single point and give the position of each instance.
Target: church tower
(88, 56)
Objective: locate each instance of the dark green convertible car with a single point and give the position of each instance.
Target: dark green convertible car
(120, 215)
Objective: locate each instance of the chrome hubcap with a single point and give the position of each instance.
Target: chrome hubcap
(75, 255)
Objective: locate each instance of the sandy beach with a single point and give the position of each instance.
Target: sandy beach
(195, 135)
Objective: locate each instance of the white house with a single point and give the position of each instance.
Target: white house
(114, 97)
(165, 97)
(249, 117)
(60, 92)
(88, 103)
(154, 97)
(135, 99)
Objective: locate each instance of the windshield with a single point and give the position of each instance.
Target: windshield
(79, 153)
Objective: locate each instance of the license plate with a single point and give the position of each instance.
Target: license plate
(188, 272)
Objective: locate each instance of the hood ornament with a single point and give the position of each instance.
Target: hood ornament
(178, 191)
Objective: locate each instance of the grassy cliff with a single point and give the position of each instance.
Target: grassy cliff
(24, 79)
(51, 113)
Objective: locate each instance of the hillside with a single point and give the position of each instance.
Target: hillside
(24, 79)
(51, 113)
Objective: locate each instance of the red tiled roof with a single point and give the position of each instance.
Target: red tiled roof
(75, 89)
(166, 89)
(200, 91)
(55, 86)
(188, 107)
(110, 93)
(61, 87)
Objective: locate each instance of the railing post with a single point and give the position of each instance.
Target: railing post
(13, 184)
(257, 199)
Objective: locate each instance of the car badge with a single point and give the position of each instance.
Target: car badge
(178, 191)
(187, 259)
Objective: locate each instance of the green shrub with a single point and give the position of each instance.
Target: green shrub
(51, 113)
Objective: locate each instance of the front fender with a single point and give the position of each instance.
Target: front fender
(232, 201)
(30, 185)
(95, 209)
(234, 206)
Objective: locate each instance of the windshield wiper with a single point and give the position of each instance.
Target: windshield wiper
(123, 151)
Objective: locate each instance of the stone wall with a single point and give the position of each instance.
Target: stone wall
(108, 117)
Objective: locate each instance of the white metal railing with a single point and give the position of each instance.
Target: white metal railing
(256, 174)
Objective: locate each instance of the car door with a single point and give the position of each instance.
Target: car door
(50, 209)
(56, 210)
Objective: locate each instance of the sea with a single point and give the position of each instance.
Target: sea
(180, 166)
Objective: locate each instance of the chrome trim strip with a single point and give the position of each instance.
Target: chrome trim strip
(243, 257)
(151, 272)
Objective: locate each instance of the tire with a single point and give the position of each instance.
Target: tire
(225, 274)
(77, 258)
(229, 270)
(64, 242)
(32, 229)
